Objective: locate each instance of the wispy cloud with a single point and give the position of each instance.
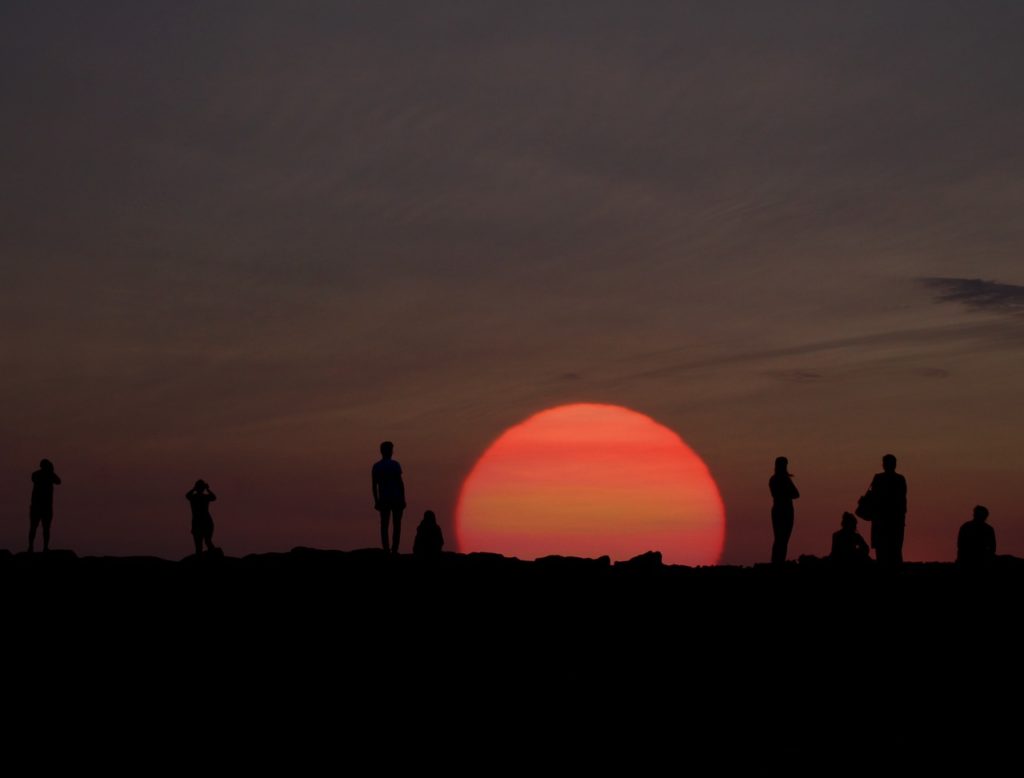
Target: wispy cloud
(796, 376)
(977, 293)
(911, 339)
(931, 372)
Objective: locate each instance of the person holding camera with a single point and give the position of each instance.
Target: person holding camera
(41, 508)
(200, 497)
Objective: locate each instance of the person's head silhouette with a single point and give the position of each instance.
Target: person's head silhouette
(46, 464)
(387, 448)
(782, 466)
(889, 463)
(201, 485)
(980, 513)
(849, 521)
(429, 518)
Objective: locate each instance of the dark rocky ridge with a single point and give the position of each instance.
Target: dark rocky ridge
(571, 653)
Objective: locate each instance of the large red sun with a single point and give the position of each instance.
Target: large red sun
(589, 480)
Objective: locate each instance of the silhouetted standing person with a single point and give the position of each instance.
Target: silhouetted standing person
(976, 543)
(388, 494)
(429, 539)
(848, 547)
(889, 508)
(783, 493)
(200, 497)
(41, 508)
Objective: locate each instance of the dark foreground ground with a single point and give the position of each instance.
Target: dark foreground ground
(478, 662)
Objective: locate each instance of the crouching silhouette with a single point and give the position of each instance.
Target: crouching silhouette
(976, 543)
(848, 547)
(429, 540)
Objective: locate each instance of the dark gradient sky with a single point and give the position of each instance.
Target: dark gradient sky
(247, 241)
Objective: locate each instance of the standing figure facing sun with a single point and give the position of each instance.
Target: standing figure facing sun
(889, 496)
(388, 495)
(783, 493)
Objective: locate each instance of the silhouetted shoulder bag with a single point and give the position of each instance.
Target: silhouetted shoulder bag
(866, 506)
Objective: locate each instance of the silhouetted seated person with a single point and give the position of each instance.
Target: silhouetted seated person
(848, 547)
(200, 497)
(41, 508)
(429, 540)
(976, 543)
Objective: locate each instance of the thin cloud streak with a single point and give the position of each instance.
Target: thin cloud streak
(949, 334)
(978, 294)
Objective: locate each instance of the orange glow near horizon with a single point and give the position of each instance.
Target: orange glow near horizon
(589, 480)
